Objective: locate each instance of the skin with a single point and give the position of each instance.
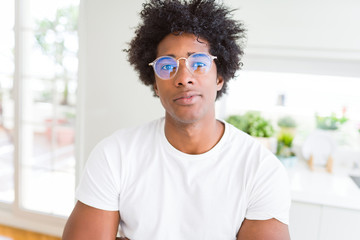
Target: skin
(271, 229)
(88, 223)
(190, 124)
(191, 127)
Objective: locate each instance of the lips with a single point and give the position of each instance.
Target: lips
(186, 98)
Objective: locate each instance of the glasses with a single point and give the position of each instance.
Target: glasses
(166, 67)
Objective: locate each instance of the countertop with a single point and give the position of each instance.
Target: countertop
(335, 189)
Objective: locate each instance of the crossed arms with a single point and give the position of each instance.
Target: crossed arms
(90, 223)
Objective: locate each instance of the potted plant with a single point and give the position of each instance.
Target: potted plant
(287, 124)
(330, 125)
(320, 145)
(285, 138)
(284, 150)
(331, 122)
(255, 125)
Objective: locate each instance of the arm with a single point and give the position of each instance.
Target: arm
(89, 223)
(271, 229)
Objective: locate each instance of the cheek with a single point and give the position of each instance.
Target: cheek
(212, 90)
(161, 91)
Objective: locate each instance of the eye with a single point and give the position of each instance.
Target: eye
(198, 65)
(167, 67)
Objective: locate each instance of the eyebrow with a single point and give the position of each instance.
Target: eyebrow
(172, 55)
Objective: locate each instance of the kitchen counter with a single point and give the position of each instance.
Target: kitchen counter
(335, 189)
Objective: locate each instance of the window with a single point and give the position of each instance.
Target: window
(38, 105)
(302, 96)
(6, 102)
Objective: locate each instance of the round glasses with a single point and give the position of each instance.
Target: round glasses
(166, 67)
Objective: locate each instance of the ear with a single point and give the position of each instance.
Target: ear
(156, 89)
(219, 82)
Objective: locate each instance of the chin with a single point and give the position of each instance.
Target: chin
(186, 118)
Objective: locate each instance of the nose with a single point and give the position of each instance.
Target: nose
(183, 76)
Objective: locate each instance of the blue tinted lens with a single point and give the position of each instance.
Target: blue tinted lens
(165, 67)
(199, 63)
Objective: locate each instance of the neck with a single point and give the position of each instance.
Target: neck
(193, 138)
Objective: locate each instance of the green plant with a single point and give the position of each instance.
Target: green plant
(331, 122)
(284, 144)
(287, 122)
(252, 123)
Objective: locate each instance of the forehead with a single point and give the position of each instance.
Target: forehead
(182, 45)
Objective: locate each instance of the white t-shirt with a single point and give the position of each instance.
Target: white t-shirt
(162, 193)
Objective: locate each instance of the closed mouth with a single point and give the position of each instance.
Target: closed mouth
(186, 96)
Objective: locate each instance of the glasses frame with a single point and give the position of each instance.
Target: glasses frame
(153, 63)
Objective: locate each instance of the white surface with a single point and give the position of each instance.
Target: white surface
(318, 222)
(282, 38)
(5, 238)
(111, 94)
(304, 221)
(339, 223)
(320, 187)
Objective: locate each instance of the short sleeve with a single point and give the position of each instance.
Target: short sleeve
(270, 195)
(99, 184)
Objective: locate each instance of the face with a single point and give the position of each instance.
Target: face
(187, 97)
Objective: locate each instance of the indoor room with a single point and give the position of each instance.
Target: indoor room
(66, 84)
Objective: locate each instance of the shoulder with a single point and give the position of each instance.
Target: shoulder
(252, 155)
(239, 137)
(247, 146)
(132, 135)
(124, 143)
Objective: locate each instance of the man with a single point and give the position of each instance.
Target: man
(188, 175)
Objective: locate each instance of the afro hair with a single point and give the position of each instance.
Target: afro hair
(206, 19)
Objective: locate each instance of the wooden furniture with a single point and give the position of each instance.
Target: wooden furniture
(11, 233)
(318, 150)
(329, 164)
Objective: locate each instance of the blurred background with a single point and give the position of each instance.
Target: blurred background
(65, 84)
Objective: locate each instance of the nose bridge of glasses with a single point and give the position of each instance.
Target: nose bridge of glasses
(182, 58)
(186, 63)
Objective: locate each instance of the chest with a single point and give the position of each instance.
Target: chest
(170, 198)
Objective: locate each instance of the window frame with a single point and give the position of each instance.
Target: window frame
(12, 214)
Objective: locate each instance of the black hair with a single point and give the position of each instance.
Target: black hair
(206, 19)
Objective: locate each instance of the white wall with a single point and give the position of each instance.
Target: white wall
(329, 25)
(312, 36)
(110, 94)
(309, 36)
